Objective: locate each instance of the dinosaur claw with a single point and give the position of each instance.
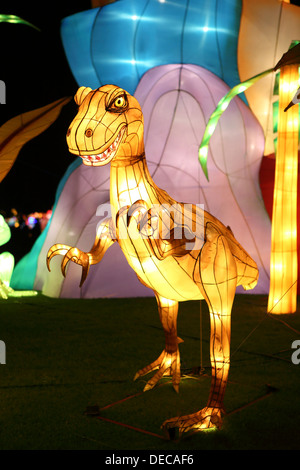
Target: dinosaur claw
(85, 270)
(64, 263)
(70, 254)
(136, 376)
(56, 249)
(148, 387)
(50, 255)
(48, 264)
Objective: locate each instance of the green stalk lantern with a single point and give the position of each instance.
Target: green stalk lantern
(283, 268)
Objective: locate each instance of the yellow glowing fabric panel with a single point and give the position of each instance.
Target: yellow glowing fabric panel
(178, 250)
(283, 269)
(267, 29)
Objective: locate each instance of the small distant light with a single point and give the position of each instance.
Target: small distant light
(31, 221)
(134, 17)
(205, 29)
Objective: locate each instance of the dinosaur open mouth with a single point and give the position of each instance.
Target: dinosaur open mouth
(107, 155)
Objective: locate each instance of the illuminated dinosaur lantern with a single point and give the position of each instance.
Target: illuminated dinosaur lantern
(178, 250)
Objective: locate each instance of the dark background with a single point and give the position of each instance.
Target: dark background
(36, 73)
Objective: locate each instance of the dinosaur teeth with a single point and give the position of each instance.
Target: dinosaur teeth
(108, 153)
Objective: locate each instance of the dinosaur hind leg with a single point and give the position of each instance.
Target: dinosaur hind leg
(216, 275)
(168, 363)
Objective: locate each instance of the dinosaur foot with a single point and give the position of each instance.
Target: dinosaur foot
(206, 419)
(167, 364)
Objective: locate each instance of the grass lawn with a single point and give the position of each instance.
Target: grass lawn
(66, 356)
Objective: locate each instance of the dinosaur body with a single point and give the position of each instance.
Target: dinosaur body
(154, 274)
(178, 250)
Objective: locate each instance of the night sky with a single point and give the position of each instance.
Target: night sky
(36, 73)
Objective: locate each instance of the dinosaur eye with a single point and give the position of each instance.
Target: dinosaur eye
(118, 104)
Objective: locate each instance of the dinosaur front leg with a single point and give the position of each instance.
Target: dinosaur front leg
(104, 239)
(216, 276)
(168, 363)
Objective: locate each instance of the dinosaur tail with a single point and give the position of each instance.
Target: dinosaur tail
(250, 277)
(247, 270)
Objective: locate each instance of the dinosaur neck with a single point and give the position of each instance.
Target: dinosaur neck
(131, 181)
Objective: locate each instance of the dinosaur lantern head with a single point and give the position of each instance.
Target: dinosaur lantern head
(108, 125)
